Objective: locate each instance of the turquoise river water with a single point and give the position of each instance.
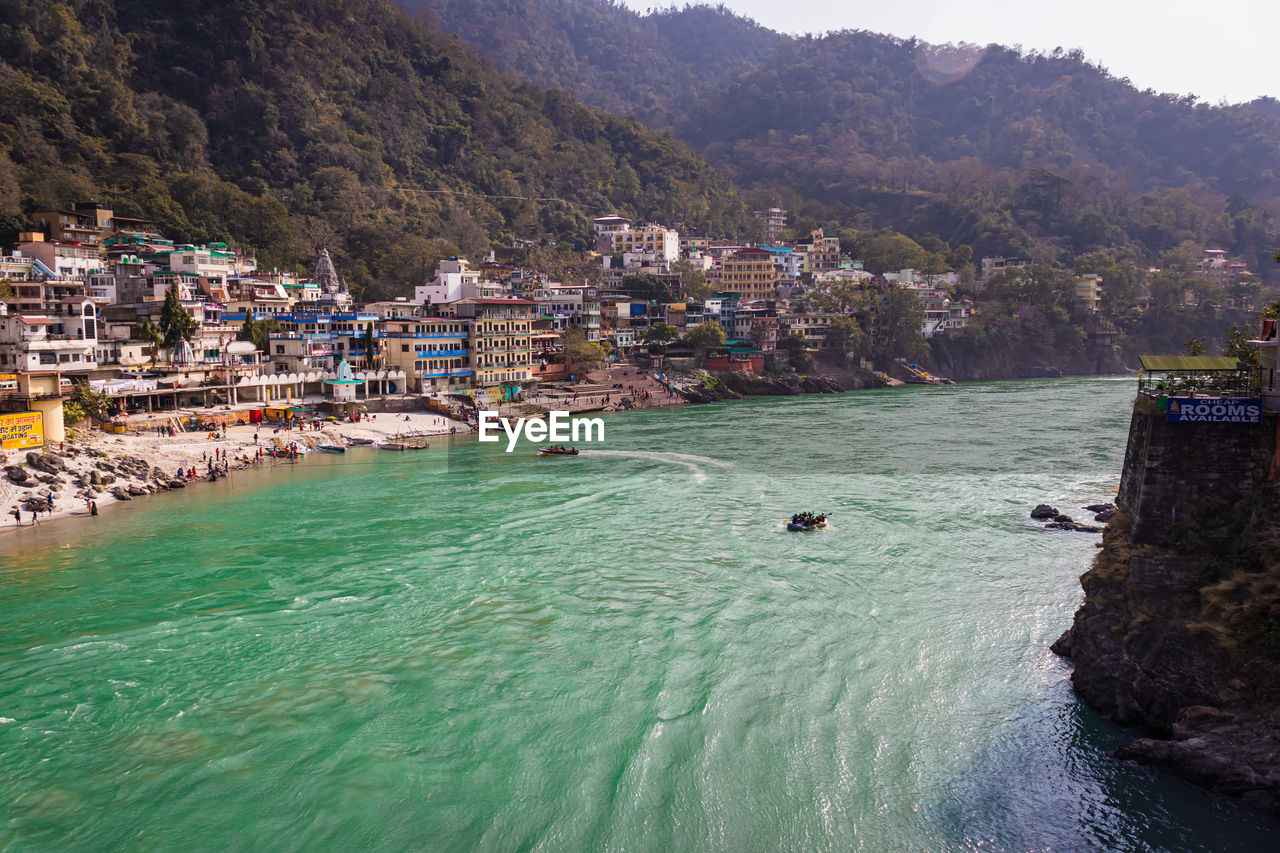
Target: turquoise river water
(463, 649)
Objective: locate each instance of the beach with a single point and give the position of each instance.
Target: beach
(144, 462)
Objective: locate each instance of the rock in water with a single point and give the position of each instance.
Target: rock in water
(1044, 511)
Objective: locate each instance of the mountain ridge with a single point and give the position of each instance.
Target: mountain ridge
(867, 130)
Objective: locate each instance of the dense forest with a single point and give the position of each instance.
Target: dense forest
(1023, 154)
(287, 124)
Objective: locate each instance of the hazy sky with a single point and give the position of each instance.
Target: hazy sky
(1213, 48)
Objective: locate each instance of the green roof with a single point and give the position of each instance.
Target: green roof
(1189, 363)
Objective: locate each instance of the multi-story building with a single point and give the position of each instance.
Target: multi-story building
(609, 225)
(454, 281)
(433, 352)
(662, 242)
(68, 226)
(991, 266)
(63, 260)
(65, 340)
(1089, 291)
(15, 268)
(569, 306)
(823, 252)
(750, 273)
(214, 262)
(775, 220)
(501, 342)
(318, 342)
(813, 327)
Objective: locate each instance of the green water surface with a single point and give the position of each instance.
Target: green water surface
(462, 649)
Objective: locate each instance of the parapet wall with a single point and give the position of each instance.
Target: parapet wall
(1174, 471)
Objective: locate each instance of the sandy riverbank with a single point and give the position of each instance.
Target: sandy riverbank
(113, 469)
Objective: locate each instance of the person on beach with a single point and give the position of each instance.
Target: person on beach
(255, 438)
(17, 516)
(93, 508)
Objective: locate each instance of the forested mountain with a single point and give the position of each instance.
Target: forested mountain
(285, 124)
(1027, 154)
(652, 67)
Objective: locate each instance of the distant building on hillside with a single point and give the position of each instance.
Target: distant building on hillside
(991, 266)
(1089, 291)
(775, 219)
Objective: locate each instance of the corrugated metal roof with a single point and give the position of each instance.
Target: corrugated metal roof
(1189, 362)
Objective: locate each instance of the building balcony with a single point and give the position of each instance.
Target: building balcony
(458, 335)
(441, 353)
(440, 374)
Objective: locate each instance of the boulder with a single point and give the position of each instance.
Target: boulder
(1063, 519)
(1099, 507)
(1043, 511)
(137, 490)
(95, 478)
(121, 494)
(41, 462)
(17, 475)
(176, 483)
(1073, 526)
(106, 479)
(1106, 515)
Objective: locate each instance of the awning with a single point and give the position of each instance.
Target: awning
(1189, 363)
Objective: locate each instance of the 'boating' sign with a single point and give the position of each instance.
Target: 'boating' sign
(20, 431)
(1222, 410)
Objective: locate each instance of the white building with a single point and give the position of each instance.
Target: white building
(455, 280)
(66, 340)
(571, 307)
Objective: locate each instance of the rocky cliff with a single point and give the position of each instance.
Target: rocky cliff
(1179, 632)
(733, 385)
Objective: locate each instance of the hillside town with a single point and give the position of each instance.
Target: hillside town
(89, 296)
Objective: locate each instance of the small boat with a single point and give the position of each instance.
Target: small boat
(803, 523)
(360, 442)
(391, 445)
(331, 448)
(285, 454)
(558, 451)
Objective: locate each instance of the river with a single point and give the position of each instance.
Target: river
(462, 649)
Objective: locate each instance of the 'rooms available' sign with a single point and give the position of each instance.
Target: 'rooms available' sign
(1222, 410)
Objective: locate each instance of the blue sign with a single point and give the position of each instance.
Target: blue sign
(1218, 410)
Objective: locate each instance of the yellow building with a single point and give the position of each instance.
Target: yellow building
(1089, 291)
(751, 273)
(501, 340)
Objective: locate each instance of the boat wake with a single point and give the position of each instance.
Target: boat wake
(687, 460)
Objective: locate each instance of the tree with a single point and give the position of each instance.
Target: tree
(797, 352)
(1237, 345)
(1194, 346)
(838, 296)
(707, 335)
(582, 354)
(258, 331)
(846, 338)
(660, 333)
(146, 331)
(87, 402)
(901, 325)
(371, 346)
(693, 280)
(175, 323)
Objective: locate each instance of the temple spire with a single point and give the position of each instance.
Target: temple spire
(326, 276)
